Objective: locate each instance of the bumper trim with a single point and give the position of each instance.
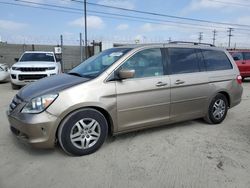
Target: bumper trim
(38, 130)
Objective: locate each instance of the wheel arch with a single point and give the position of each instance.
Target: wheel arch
(226, 94)
(99, 109)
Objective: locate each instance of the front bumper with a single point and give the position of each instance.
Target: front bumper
(39, 130)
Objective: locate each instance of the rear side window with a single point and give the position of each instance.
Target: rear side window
(183, 60)
(216, 60)
(246, 55)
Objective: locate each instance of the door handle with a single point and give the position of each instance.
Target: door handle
(178, 82)
(160, 84)
(243, 62)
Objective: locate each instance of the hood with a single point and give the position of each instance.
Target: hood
(34, 64)
(50, 85)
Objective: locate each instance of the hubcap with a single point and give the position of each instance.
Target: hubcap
(85, 133)
(219, 109)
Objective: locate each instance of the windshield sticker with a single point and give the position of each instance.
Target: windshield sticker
(115, 54)
(49, 54)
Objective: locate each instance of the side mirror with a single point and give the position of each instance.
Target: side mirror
(16, 59)
(125, 74)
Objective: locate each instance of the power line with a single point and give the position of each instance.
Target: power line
(49, 5)
(22, 5)
(133, 18)
(115, 14)
(163, 15)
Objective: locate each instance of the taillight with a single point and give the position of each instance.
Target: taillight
(239, 79)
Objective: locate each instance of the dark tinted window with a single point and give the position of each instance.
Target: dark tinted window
(37, 57)
(246, 55)
(237, 56)
(146, 63)
(183, 60)
(216, 60)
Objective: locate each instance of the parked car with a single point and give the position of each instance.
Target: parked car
(33, 65)
(4, 72)
(242, 59)
(126, 89)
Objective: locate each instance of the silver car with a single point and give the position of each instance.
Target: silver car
(126, 89)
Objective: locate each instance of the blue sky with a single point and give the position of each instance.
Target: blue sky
(20, 24)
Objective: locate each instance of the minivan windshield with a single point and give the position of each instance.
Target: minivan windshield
(97, 64)
(37, 57)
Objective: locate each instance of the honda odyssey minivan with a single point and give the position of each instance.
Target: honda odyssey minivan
(126, 89)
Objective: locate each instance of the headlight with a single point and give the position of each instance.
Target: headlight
(39, 104)
(15, 68)
(51, 68)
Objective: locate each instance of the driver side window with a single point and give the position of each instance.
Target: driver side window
(146, 63)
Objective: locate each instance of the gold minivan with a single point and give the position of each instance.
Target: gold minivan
(126, 89)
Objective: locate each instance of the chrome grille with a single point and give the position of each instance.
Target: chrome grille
(33, 69)
(31, 77)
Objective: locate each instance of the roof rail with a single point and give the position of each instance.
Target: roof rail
(194, 43)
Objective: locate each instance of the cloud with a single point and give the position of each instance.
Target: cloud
(64, 2)
(196, 5)
(201, 4)
(245, 20)
(149, 27)
(118, 3)
(93, 22)
(11, 25)
(122, 27)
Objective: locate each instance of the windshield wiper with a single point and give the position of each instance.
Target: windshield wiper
(75, 74)
(88, 76)
(80, 75)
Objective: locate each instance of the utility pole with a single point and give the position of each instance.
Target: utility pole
(85, 25)
(229, 36)
(200, 37)
(80, 47)
(61, 38)
(214, 35)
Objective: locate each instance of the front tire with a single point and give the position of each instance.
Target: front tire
(217, 110)
(83, 132)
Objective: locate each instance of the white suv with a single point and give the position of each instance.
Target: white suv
(33, 65)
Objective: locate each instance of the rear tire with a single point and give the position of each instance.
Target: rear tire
(83, 132)
(217, 109)
(15, 87)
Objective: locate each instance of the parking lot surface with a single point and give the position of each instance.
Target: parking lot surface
(188, 154)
